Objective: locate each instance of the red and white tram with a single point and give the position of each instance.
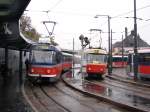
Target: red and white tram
(45, 62)
(143, 60)
(119, 61)
(67, 60)
(95, 61)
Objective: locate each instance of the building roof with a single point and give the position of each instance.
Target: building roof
(129, 42)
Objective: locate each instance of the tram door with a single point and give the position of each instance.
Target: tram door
(130, 65)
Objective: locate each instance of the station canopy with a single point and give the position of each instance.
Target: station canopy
(10, 12)
(12, 9)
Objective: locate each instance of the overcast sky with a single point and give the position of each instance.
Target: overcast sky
(75, 17)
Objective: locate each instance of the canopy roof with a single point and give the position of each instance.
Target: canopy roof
(12, 9)
(10, 12)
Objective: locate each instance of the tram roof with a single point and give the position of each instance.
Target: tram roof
(146, 50)
(120, 56)
(95, 51)
(69, 51)
(10, 12)
(67, 54)
(44, 46)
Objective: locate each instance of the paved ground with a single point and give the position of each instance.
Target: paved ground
(121, 72)
(112, 94)
(11, 99)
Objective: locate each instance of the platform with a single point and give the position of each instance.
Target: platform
(11, 98)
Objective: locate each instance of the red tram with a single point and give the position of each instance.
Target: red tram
(95, 62)
(46, 62)
(67, 61)
(143, 61)
(119, 61)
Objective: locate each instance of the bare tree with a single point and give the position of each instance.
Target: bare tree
(27, 29)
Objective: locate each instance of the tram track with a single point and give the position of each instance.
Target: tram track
(129, 90)
(74, 98)
(42, 101)
(125, 80)
(128, 100)
(126, 86)
(50, 97)
(66, 100)
(61, 98)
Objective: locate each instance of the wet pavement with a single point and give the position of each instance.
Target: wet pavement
(11, 98)
(115, 94)
(121, 73)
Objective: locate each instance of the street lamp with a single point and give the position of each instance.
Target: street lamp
(109, 42)
(122, 52)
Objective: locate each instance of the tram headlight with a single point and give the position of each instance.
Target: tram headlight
(32, 70)
(101, 69)
(54, 71)
(89, 68)
(48, 71)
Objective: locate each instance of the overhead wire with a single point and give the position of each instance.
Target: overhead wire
(138, 18)
(81, 14)
(55, 5)
(47, 11)
(85, 14)
(130, 11)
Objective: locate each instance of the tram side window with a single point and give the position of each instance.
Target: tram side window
(144, 58)
(52, 57)
(58, 57)
(117, 59)
(33, 57)
(105, 59)
(88, 58)
(125, 59)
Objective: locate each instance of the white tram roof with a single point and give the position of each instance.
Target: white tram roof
(66, 54)
(120, 56)
(95, 51)
(141, 51)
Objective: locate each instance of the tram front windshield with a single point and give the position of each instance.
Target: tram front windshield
(96, 58)
(43, 57)
(144, 58)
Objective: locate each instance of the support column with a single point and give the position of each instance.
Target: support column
(20, 68)
(135, 45)
(73, 59)
(6, 60)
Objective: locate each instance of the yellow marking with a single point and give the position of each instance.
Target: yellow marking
(95, 62)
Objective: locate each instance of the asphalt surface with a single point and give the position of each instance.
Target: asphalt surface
(11, 98)
(116, 95)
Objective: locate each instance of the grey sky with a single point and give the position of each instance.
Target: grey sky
(75, 17)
